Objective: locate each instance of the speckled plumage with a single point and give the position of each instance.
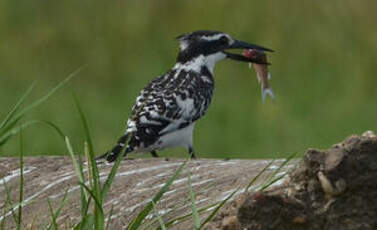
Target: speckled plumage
(169, 103)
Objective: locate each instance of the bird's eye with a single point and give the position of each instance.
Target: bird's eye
(224, 40)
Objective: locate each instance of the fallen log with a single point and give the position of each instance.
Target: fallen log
(136, 182)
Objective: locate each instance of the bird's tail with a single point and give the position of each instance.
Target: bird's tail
(114, 153)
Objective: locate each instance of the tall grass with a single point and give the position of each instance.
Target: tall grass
(10, 126)
(93, 190)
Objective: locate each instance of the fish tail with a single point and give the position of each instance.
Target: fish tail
(267, 91)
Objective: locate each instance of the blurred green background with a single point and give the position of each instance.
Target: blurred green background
(324, 70)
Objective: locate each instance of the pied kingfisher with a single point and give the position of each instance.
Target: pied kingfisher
(166, 110)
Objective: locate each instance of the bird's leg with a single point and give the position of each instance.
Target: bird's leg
(154, 153)
(192, 152)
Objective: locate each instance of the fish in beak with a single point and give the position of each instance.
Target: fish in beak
(263, 74)
(256, 56)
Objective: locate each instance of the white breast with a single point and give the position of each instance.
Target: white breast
(179, 138)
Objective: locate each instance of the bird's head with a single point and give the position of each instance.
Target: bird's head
(213, 46)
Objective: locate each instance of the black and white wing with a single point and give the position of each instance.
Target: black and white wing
(168, 103)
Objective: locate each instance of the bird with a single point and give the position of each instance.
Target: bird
(167, 109)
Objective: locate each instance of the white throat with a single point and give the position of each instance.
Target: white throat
(201, 60)
(212, 59)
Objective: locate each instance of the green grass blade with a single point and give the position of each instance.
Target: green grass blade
(96, 200)
(80, 174)
(212, 215)
(9, 200)
(85, 201)
(160, 221)
(98, 216)
(53, 217)
(271, 178)
(258, 175)
(7, 129)
(135, 224)
(89, 164)
(57, 213)
(78, 169)
(114, 169)
(87, 223)
(12, 118)
(10, 115)
(53, 126)
(185, 217)
(85, 126)
(49, 94)
(172, 208)
(95, 172)
(195, 214)
(16, 205)
(270, 182)
(9, 126)
(178, 205)
(5, 137)
(3, 222)
(21, 195)
(284, 163)
(86, 207)
(62, 203)
(109, 218)
(90, 176)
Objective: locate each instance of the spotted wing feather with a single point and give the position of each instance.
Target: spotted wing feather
(169, 103)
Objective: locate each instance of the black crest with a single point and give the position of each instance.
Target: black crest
(193, 44)
(197, 34)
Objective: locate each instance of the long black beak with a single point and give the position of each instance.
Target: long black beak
(244, 45)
